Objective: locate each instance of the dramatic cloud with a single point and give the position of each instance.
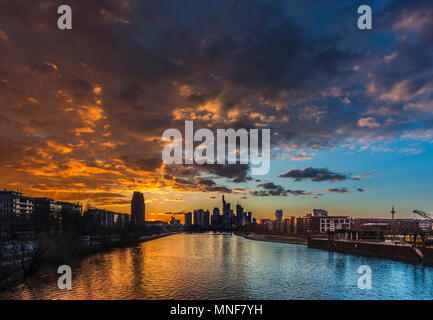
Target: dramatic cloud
(83, 110)
(237, 172)
(362, 176)
(271, 189)
(336, 190)
(299, 192)
(368, 122)
(314, 174)
(199, 185)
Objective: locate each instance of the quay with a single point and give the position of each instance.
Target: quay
(404, 252)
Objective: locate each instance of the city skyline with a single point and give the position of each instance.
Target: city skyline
(350, 111)
(138, 213)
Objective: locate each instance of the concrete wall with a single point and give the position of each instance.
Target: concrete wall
(372, 249)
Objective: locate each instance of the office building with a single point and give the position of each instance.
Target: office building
(279, 215)
(201, 218)
(188, 219)
(138, 208)
(16, 212)
(100, 217)
(215, 219)
(15, 204)
(48, 214)
(319, 213)
(227, 213)
(323, 224)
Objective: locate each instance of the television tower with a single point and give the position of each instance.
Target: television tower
(393, 212)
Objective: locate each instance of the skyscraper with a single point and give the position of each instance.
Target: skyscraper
(227, 213)
(239, 215)
(249, 217)
(279, 215)
(204, 221)
(215, 217)
(196, 217)
(188, 219)
(201, 218)
(138, 208)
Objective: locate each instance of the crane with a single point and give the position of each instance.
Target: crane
(423, 214)
(428, 217)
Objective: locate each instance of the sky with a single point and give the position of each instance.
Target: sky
(350, 111)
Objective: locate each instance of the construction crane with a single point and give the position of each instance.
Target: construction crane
(427, 216)
(423, 214)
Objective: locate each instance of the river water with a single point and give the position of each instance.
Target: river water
(226, 266)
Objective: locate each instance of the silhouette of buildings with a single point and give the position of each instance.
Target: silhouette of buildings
(216, 218)
(106, 218)
(278, 215)
(228, 219)
(138, 209)
(249, 217)
(14, 203)
(16, 212)
(22, 213)
(227, 213)
(52, 215)
(240, 215)
(188, 219)
(175, 222)
(201, 218)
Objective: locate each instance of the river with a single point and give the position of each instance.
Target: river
(226, 266)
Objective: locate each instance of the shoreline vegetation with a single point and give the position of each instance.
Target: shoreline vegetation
(273, 238)
(46, 255)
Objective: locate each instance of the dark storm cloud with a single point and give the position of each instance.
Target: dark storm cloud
(299, 192)
(237, 172)
(336, 190)
(314, 174)
(200, 185)
(271, 189)
(269, 185)
(148, 164)
(85, 108)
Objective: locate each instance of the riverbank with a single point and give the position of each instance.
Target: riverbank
(213, 266)
(273, 238)
(375, 249)
(12, 276)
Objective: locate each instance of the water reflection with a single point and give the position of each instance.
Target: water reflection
(225, 266)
